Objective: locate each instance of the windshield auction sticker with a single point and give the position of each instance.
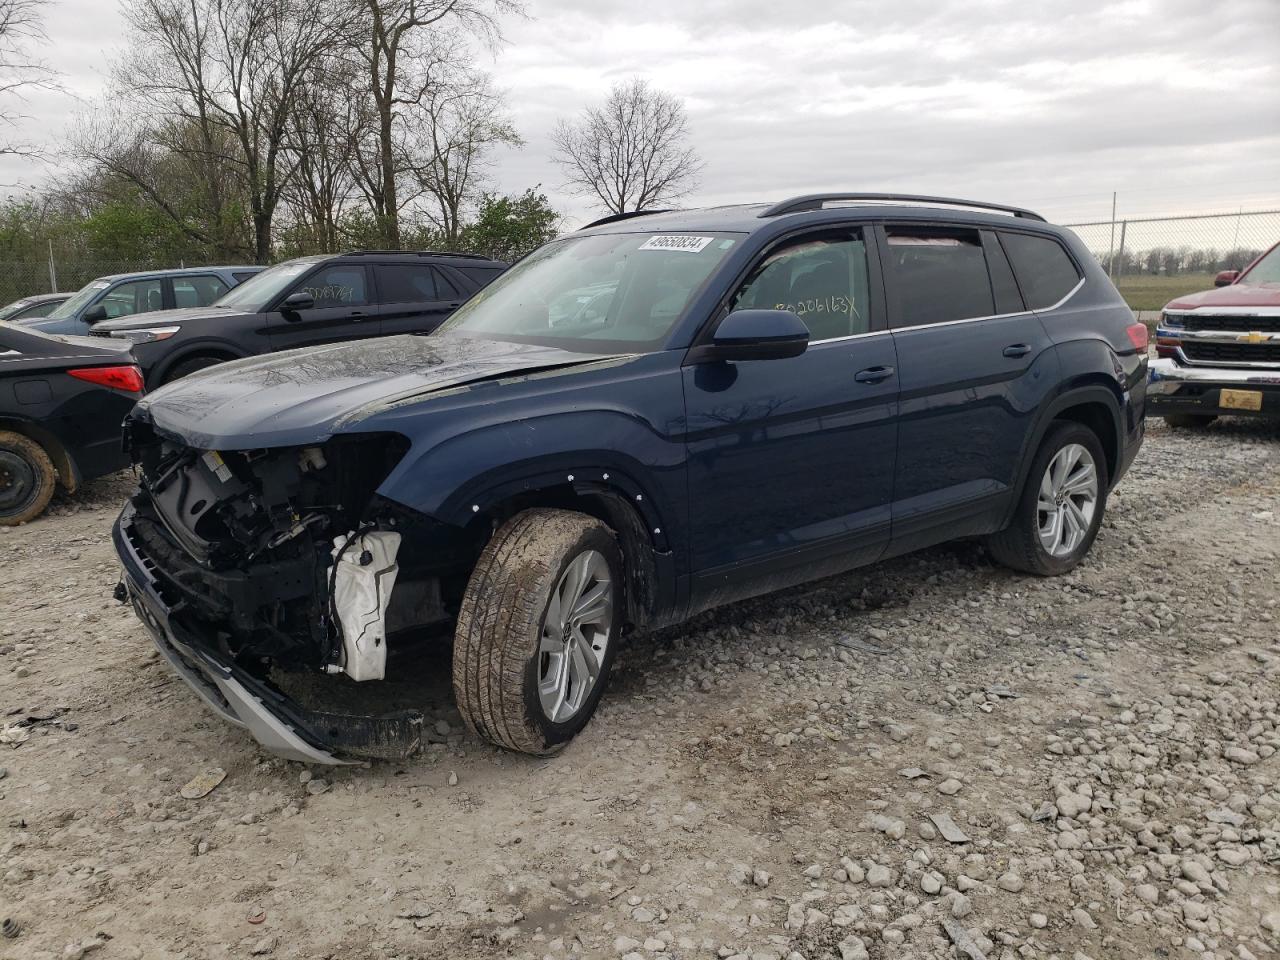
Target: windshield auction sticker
(681, 243)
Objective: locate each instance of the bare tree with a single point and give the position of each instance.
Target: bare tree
(237, 67)
(461, 122)
(21, 27)
(397, 39)
(176, 165)
(632, 153)
(324, 131)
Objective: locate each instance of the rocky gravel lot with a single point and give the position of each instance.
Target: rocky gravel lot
(928, 758)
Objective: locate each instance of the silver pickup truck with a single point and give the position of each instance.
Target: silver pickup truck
(1219, 351)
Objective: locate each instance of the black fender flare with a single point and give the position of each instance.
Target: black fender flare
(194, 348)
(1096, 389)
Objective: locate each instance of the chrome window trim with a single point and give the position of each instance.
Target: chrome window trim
(951, 323)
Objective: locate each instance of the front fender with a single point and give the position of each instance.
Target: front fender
(589, 450)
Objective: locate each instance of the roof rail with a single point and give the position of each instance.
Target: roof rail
(816, 201)
(414, 253)
(615, 217)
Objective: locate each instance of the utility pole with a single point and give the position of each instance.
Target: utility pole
(53, 270)
(1111, 253)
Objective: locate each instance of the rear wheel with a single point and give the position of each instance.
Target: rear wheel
(1061, 505)
(1189, 420)
(187, 367)
(537, 630)
(27, 479)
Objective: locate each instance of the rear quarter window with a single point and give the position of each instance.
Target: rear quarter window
(1045, 272)
(479, 276)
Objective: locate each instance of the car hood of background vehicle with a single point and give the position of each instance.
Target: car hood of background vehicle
(301, 396)
(163, 318)
(1235, 295)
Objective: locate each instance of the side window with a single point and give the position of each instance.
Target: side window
(197, 291)
(822, 278)
(241, 276)
(938, 274)
(406, 283)
(448, 289)
(136, 296)
(1044, 270)
(341, 285)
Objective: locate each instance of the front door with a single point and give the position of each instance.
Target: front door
(791, 461)
(342, 309)
(973, 368)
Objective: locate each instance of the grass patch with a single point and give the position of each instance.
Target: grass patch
(1148, 292)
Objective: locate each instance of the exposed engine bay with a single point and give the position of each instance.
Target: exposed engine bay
(286, 558)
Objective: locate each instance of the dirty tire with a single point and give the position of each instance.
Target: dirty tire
(27, 479)
(188, 367)
(1189, 420)
(496, 642)
(1018, 545)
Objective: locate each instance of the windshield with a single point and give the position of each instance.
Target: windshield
(1266, 270)
(605, 293)
(257, 293)
(69, 308)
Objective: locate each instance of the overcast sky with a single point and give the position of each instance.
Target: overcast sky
(1174, 104)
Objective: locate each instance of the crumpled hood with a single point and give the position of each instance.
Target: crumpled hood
(1235, 295)
(302, 396)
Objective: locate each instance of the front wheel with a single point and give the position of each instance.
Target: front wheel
(1061, 505)
(537, 630)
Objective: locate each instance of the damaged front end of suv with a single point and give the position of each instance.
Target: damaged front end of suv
(252, 566)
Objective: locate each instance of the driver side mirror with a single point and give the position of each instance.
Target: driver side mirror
(94, 314)
(754, 335)
(1226, 278)
(298, 301)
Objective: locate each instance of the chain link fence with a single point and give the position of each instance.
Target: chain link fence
(1155, 259)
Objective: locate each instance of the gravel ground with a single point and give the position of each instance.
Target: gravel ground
(871, 766)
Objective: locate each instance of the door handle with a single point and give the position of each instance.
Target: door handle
(1015, 350)
(357, 315)
(873, 374)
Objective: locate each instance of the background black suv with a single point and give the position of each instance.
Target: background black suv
(303, 302)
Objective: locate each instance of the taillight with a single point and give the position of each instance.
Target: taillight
(128, 379)
(1138, 336)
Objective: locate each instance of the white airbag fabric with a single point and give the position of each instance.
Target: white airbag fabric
(361, 593)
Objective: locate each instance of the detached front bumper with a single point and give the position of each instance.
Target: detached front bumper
(280, 724)
(1178, 388)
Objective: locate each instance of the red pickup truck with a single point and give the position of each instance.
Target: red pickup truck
(1219, 351)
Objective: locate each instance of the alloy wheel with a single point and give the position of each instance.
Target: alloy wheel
(1067, 500)
(575, 636)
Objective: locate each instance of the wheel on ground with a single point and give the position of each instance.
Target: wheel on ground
(27, 479)
(187, 367)
(1189, 420)
(1061, 505)
(537, 630)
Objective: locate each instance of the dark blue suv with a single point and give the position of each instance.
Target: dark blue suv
(652, 416)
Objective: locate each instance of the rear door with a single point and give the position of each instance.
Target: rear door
(414, 297)
(974, 366)
(342, 310)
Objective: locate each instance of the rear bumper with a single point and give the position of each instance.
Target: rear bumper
(280, 724)
(1176, 388)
